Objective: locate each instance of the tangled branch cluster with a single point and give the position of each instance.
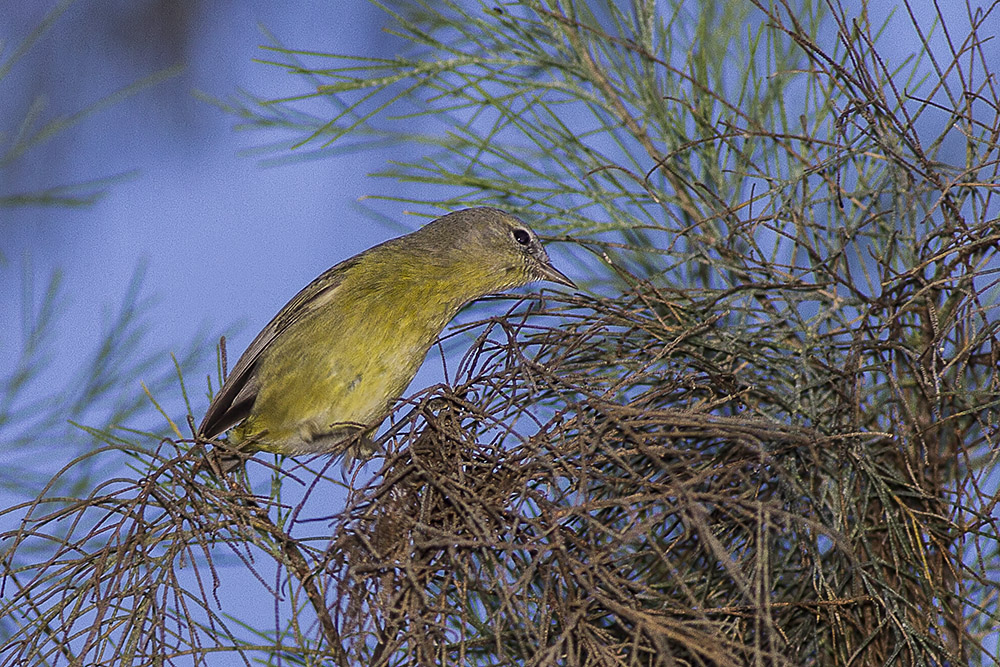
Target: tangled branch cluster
(686, 505)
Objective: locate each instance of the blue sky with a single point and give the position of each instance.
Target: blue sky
(225, 241)
(211, 224)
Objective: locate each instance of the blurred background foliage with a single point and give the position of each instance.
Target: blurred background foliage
(40, 403)
(763, 433)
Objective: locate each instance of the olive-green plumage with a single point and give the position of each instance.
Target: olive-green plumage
(335, 358)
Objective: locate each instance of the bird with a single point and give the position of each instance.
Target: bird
(326, 370)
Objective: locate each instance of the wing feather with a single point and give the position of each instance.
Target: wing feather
(236, 398)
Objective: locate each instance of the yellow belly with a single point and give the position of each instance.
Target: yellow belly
(333, 375)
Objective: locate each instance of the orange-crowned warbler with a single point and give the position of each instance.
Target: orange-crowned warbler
(324, 373)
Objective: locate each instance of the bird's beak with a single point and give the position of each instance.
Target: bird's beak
(548, 272)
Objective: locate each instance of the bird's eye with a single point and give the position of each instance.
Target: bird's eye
(521, 237)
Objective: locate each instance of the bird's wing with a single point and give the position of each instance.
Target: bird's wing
(233, 402)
